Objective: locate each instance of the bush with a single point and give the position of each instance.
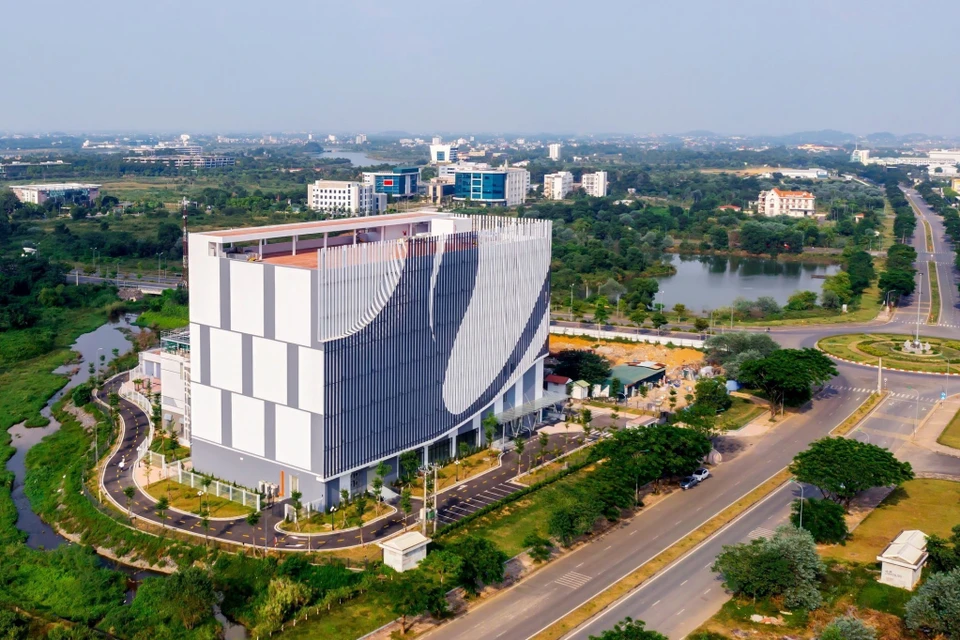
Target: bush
(936, 607)
(82, 394)
(822, 518)
(847, 628)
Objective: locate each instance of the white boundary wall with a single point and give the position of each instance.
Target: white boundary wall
(634, 337)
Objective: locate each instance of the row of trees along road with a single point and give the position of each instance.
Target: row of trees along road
(900, 273)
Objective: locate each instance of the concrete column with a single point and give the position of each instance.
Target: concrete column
(426, 455)
(453, 446)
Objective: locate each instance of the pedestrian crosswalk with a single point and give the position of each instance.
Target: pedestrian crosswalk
(573, 580)
(893, 394)
(760, 532)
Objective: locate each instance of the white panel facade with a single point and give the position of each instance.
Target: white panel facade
(248, 424)
(225, 360)
(270, 370)
(293, 437)
(205, 408)
(246, 297)
(204, 283)
(292, 310)
(310, 380)
(195, 361)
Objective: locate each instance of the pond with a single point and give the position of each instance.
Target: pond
(710, 282)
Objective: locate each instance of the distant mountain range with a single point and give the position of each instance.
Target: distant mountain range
(832, 137)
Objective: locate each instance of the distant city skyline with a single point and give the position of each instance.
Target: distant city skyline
(748, 67)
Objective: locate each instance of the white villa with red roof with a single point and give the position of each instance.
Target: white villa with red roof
(795, 204)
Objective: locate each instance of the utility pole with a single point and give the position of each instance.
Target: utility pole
(423, 526)
(919, 299)
(185, 279)
(880, 376)
(435, 515)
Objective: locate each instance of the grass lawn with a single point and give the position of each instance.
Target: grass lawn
(353, 619)
(170, 448)
(740, 413)
(186, 498)
(163, 321)
(933, 506)
(320, 522)
(551, 468)
(868, 309)
(511, 523)
(868, 348)
(951, 435)
(934, 316)
(470, 466)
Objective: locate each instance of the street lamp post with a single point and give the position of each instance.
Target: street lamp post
(159, 255)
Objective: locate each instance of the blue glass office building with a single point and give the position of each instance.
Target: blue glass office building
(401, 182)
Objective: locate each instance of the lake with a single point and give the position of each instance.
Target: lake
(356, 158)
(709, 282)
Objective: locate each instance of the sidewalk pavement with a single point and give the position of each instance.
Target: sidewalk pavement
(934, 424)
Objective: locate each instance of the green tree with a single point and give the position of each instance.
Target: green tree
(802, 301)
(785, 565)
(839, 285)
(701, 324)
(658, 320)
(382, 470)
(629, 629)
(681, 310)
(788, 375)
(284, 596)
(582, 365)
(539, 548)
(638, 316)
(847, 628)
(936, 607)
(441, 565)
(189, 596)
(824, 519)
(128, 493)
(601, 311)
(482, 563)
(412, 594)
(489, 425)
(520, 445)
(406, 503)
(944, 553)
(841, 468)
(161, 510)
(712, 393)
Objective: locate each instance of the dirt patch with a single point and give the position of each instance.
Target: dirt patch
(620, 352)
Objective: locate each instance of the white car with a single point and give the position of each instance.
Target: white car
(701, 474)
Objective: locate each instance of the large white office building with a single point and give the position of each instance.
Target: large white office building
(595, 184)
(557, 185)
(345, 197)
(320, 349)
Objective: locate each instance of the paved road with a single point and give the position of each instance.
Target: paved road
(453, 504)
(943, 256)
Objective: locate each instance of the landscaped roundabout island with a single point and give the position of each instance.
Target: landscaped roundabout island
(930, 355)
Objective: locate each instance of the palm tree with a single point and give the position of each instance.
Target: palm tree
(253, 519)
(161, 508)
(205, 482)
(129, 492)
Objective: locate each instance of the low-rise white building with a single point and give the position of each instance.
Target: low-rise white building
(901, 563)
(795, 204)
(557, 185)
(595, 184)
(346, 197)
(405, 552)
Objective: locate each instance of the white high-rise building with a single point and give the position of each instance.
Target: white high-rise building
(361, 138)
(437, 140)
(554, 150)
(795, 204)
(443, 153)
(557, 185)
(343, 196)
(595, 184)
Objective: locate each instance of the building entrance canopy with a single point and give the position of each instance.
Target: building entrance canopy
(513, 419)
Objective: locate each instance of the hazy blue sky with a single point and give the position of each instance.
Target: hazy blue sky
(637, 66)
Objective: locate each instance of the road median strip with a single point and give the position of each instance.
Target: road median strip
(680, 548)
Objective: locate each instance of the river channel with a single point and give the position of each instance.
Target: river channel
(710, 282)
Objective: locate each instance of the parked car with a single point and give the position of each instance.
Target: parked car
(701, 474)
(688, 483)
